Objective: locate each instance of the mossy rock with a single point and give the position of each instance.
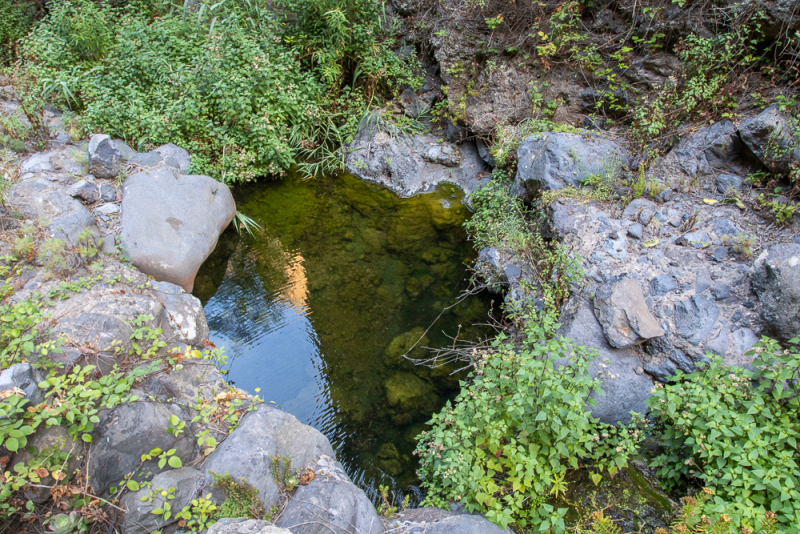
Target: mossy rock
(409, 392)
(632, 499)
(402, 344)
(415, 286)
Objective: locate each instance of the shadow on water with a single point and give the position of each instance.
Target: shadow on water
(317, 309)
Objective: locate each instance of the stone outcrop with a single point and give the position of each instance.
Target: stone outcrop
(771, 137)
(550, 161)
(412, 164)
(171, 222)
(776, 281)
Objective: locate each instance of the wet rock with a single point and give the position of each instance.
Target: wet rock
(551, 160)
(695, 318)
(729, 182)
(127, 431)
(776, 281)
(25, 378)
(410, 343)
(105, 160)
(180, 484)
(409, 392)
(330, 503)
(769, 137)
(624, 315)
(243, 525)
(262, 434)
(632, 498)
(625, 390)
(171, 222)
(662, 284)
(710, 148)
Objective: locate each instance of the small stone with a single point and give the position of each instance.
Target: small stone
(727, 182)
(749, 305)
(635, 230)
(696, 239)
(662, 284)
(737, 316)
(695, 318)
(84, 191)
(721, 291)
(703, 281)
(723, 227)
(720, 253)
(662, 372)
(108, 193)
(107, 209)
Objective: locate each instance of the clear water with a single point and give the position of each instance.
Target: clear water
(316, 309)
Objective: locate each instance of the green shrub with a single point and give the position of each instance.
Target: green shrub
(516, 428)
(737, 432)
(230, 81)
(16, 19)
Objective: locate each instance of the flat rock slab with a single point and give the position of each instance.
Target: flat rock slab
(623, 313)
(171, 222)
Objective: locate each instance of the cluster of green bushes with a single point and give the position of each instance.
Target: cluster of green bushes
(246, 88)
(504, 446)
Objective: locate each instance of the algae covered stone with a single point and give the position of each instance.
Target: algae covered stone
(408, 391)
(410, 343)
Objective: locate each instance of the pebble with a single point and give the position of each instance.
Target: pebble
(635, 230)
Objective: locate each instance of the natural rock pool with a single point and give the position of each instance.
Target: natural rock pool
(317, 309)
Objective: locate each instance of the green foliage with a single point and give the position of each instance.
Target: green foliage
(227, 80)
(500, 218)
(281, 470)
(16, 18)
(736, 431)
(241, 499)
(518, 425)
(199, 514)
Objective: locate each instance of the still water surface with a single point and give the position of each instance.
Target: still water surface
(317, 308)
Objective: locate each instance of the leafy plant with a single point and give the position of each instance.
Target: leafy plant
(736, 431)
(241, 499)
(516, 428)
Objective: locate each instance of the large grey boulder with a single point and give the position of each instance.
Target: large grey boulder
(621, 309)
(412, 164)
(551, 160)
(261, 434)
(709, 149)
(171, 222)
(181, 484)
(105, 160)
(776, 281)
(243, 525)
(626, 387)
(129, 430)
(330, 503)
(772, 137)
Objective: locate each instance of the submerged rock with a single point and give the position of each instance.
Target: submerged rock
(409, 392)
(410, 343)
(171, 222)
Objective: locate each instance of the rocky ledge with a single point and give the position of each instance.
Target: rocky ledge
(134, 228)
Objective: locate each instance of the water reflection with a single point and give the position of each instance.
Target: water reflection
(318, 308)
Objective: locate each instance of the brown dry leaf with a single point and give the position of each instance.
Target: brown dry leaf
(3, 461)
(42, 472)
(306, 477)
(58, 475)
(182, 523)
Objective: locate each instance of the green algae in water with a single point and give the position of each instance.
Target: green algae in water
(317, 309)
